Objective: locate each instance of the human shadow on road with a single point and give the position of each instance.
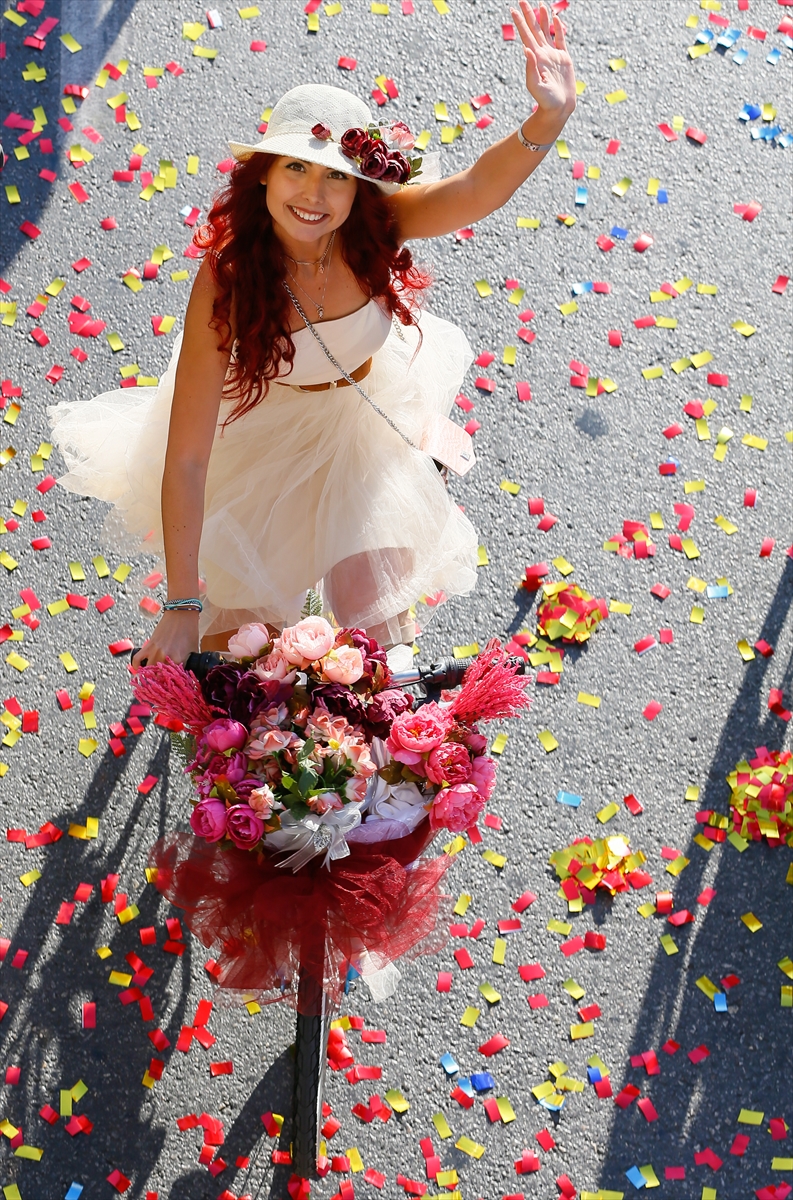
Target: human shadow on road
(748, 1065)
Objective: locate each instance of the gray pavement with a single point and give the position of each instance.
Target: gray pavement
(595, 460)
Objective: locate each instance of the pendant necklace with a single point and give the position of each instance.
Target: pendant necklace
(319, 306)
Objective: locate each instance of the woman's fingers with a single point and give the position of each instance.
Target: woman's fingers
(559, 38)
(545, 23)
(531, 21)
(526, 36)
(141, 657)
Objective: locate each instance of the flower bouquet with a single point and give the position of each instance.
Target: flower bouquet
(301, 745)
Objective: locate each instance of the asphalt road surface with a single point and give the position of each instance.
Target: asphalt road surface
(593, 458)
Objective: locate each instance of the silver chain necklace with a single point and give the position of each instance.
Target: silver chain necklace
(319, 306)
(314, 262)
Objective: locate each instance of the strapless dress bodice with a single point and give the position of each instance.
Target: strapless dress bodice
(351, 340)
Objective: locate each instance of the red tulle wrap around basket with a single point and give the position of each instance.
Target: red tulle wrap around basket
(266, 924)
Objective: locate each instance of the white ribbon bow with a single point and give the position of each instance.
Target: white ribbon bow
(312, 835)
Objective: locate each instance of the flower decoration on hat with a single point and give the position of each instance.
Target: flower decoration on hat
(379, 152)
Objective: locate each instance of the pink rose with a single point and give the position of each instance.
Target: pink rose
(355, 788)
(456, 808)
(208, 820)
(274, 666)
(327, 802)
(483, 775)
(344, 665)
(449, 763)
(261, 801)
(397, 136)
(249, 640)
(225, 735)
(243, 826)
(307, 641)
(416, 733)
(270, 741)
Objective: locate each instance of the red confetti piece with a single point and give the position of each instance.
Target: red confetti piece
(651, 711)
(493, 1045)
(119, 1181)
(698, 1054)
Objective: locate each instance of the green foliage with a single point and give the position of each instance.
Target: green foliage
(313, 604)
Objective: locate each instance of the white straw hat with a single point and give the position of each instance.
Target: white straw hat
(299, 111)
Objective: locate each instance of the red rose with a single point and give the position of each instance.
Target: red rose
(398, 169)
(353, 140)
(374, 164)
(321, 131)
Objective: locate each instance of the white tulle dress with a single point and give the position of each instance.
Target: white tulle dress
(309, 489)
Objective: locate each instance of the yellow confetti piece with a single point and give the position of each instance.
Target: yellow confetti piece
(470, 1017)
(128, 914)
(669, 944)
(507, 485)
(751, 922)
(397, 1100)
(251, 10)
(585, 1030)
(87, 746)
(617, 64)
(495, 860)
(499, 743)
(689, 548)
(616, 97)
(697, 615)
(17, 661)
(455, 846)
(356, 1162)
(192, 30)
(11, 1191)
(120, 979)
(607, 813)
(562, 149)
(748, 1116)
(591, 701)
(707, 986)
(472, 1149)
(706, 289)
(621, 606)
(622, 185)
(489, 992)
(69, 662)
(569, 308)
(547, 741)
(527, 222)
(557, 926)
(463, 902)
(757, 443)
(483, 288)
(563, 566)
(653, 372)
(70, 42)
(677, 865)
(499, 951)
(646, 910)
(469, 651)
(442, 1125)
(29, 877)
(693, 485)
(115, 342)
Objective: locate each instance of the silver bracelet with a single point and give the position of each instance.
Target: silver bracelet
(524, 141)
(193, 604)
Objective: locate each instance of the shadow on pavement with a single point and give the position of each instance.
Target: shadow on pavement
(698, 1105)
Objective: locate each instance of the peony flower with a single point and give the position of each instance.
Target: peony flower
(307, 641)
(397, 135)
(476, 742)
(340, 700)
(208, 820)
(414, 734)
(344, 664)
(261, 800)
(449, 763)
(329, 727)
(249, 640)
(483, 775)
(327, 802)
(375, 163)
(236, 768)
(321, 131)
(270, 718)
(225, 735)
(244, 827)
(375, 663)
(456, 808)
(397, 170)
(383, 708)
(353, 141)
(274, 665)
(270, 741)
(252, 696)
(220, 684)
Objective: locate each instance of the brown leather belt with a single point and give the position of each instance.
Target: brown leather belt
(358, 374)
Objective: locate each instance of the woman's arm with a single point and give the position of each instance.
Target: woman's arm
(470, 195)
(198, 389)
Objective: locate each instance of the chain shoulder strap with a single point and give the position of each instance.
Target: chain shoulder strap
(343, 373)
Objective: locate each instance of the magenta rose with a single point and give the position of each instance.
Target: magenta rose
(449, 763)
(456, 808)
(398, 169)
(353, 141)
(483, 775)
(321, 131)
(225, 735)
(414, 734)
(374, 164)
(208, 820)
(244, 827)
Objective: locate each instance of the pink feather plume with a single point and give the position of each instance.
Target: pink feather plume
(491, 689)
(174, 693)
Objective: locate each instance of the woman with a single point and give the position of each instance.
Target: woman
(276, 474)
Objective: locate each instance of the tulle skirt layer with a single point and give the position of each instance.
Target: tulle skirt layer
(265, 925)
(309, 488)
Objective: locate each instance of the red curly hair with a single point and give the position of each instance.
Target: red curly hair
(248, 265)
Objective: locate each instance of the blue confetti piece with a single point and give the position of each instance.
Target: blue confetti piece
(352, 975)
(663, 196)
(785, 140)
(740, 56)
(581, 193)
(787, 41)
(728, 38)
(717, 591)
(465, 1086)
(75, 1192)
(448, 1064)
(568, 798)
(773, 56)
(636, 1178)
(705, 35)
(555, 1108)
(482, 1081)
(720, 1002)
(594, 1074)
(749, 112)
(618, 232)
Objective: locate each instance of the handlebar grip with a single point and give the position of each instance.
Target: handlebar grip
(199, 664)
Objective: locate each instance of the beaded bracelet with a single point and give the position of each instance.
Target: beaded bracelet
(524, 141)
(193, 604)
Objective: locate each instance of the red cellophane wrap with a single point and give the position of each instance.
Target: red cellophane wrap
(265, 923)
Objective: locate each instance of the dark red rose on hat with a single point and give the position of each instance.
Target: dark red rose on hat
(322, 132)
(374, 164)
(398, 169)
(353, 140)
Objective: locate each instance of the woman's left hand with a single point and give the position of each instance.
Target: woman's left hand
(550, 77)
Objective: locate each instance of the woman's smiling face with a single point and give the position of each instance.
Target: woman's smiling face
(307, 200)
